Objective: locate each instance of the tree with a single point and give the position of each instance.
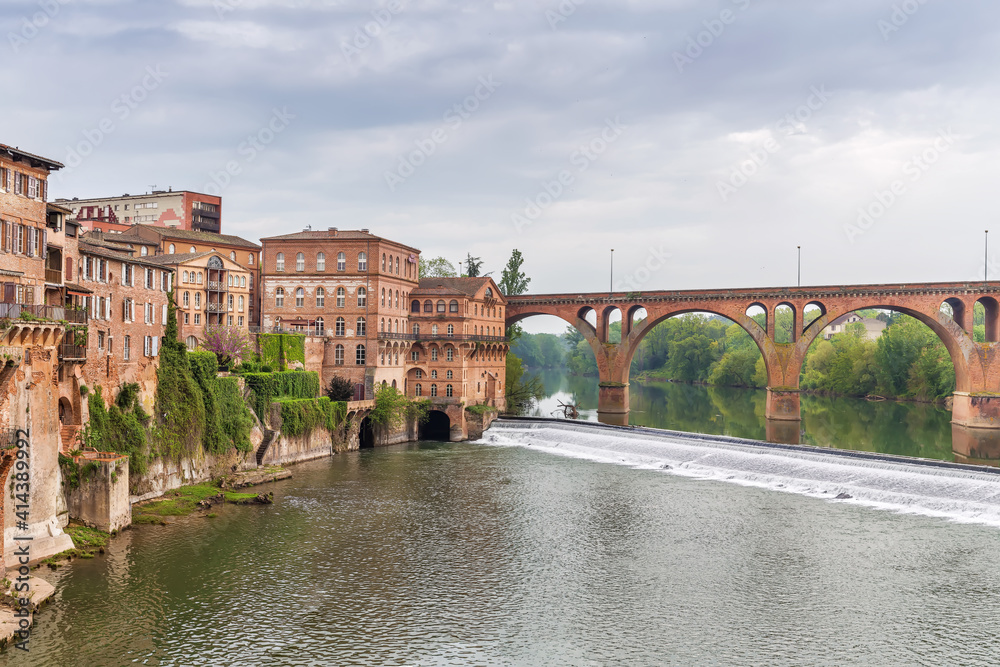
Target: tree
(521, 390)
(438, 267)
(473, 265)
(340, 389)
(513, 281)
(230, 344)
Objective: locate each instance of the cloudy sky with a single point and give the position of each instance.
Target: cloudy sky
(703, 141)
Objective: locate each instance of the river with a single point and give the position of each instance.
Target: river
(566, 546)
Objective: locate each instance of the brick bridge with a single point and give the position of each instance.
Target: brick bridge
(977, 370)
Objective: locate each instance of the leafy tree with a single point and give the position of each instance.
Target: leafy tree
(438, 267)
(473, 265)
(521, 389)
(340, 389)
(513, 280)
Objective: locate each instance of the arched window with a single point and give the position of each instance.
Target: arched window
(230, 280)
(243, 281)
(279, 297)
(440, 307)
(279, 262)
(185, 276)
(453, 306)
(362, 261)
(319, 326)
(395, 327)
(300, 297)
(449, 375)
(340, 297)
(320, 297)
(383, 262)
(338, 355)
(450, 355)
(362, 297)
(381, 325)
(390, 263)
(434, 354)
(383, 296)
(359, 356)
(192, 342)
(192, 250)
(241, 303)
(300, 262)
(451, 330)
(434, 330)
(341, 326)
(448, 391)
(360, 327)
(171, 249)
(232, 255)
(143, 251)
(414, 306)
(187, 299)
(320, 261)
(397, 265)
(434, 375)
(250, 259)
(397, 298)
(341, 261)
(434, 390)
(428, 306)
(418, 390)
(197, 300)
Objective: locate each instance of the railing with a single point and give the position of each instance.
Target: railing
(385, 335)
(214, 307)
(30, 312)
(216, 286)
(68, 351)
(309, 330)
(53, 276)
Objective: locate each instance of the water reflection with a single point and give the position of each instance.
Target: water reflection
(887, 427)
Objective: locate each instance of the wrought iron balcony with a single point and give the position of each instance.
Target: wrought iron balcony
(36, 312)
(69, 352)
(216, 307)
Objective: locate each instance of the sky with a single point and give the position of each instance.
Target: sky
(702, 141)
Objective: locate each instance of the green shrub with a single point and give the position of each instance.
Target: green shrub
(303, 415)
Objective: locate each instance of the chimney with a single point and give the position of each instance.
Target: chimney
(333, 230)
(364, 231)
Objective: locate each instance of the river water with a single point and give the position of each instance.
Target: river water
(562, 545)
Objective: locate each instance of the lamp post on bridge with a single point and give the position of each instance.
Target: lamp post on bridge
(986, 259)
(799, 281)
(611, 283)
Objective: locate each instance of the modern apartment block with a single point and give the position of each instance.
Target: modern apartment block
(179, 209)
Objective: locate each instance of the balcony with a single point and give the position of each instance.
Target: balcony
(32, 312)
(216, 286)
(53, 276)
(385, 335)
(69, 352)
(214, 307)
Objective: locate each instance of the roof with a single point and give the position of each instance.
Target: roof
(466, 286)
(334, 233)
(73, 287)
(105, 251)
(191, 235)
(104, 237)
(144, 195)
(182, 258)
(17, 153)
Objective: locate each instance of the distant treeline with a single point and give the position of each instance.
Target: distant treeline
(906, 361)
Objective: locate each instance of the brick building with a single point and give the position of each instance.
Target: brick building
(344, 287)
(211, 290)
(151, 240)
(162, 208)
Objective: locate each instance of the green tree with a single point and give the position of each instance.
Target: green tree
(513, 280)
(473, 265)
(438, 267)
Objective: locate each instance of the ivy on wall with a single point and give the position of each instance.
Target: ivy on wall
(279, 350)
(266, 387)
(303, 415)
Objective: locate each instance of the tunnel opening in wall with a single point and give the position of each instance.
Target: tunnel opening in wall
(366, 434)
(437, 427)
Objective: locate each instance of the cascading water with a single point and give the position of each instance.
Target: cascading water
(959, 493)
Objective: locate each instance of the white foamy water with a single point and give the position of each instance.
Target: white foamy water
(958, 493)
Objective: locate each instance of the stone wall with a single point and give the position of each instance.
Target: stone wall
(102, 499)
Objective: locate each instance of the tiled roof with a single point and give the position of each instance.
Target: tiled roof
(340, 234)
(467, 286)
(17, 152)
(191, 235)
(104, 251)
(167, 260)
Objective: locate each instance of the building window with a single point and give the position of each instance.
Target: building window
(418, 390)
(362, 261)
(197, 299)
(434, 375)
(419, 374)
(362, 297)
(341, 296)
(300, 297)
(192, 342)
(383, 262)
(300, 262)
(187, 299)
(241, 303)
(230, 321)
(383, 296)
(390, 263)
(416, 329)
(341, 261)
(434, 354)
(428, 306)
(448, 391)
(414, 306)
(451, 330)
(241, 320)
(128, 341)
(434, 330)
(449, 375)
(250, 259)
(414, 355)
(450, 355)
(338, 355)
(171, 249)
(381, 324)
(197, 318)
(320, 297)
(186, 318)
(143, 252)
(192, 250)
(434, 390)
(230, 303)
(200, 276)
(320, 262)
(279, 297)
(360, 330)
(440, 306)
(341, 326)
(453, 306)
(100, 340)
(359, 356)
(279, 262)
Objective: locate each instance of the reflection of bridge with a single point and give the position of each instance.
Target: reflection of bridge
(977, 371)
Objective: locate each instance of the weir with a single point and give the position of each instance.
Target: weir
(945, 308)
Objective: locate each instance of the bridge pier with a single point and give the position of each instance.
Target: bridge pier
(612, 403)
(978, 410)
(783, 404)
